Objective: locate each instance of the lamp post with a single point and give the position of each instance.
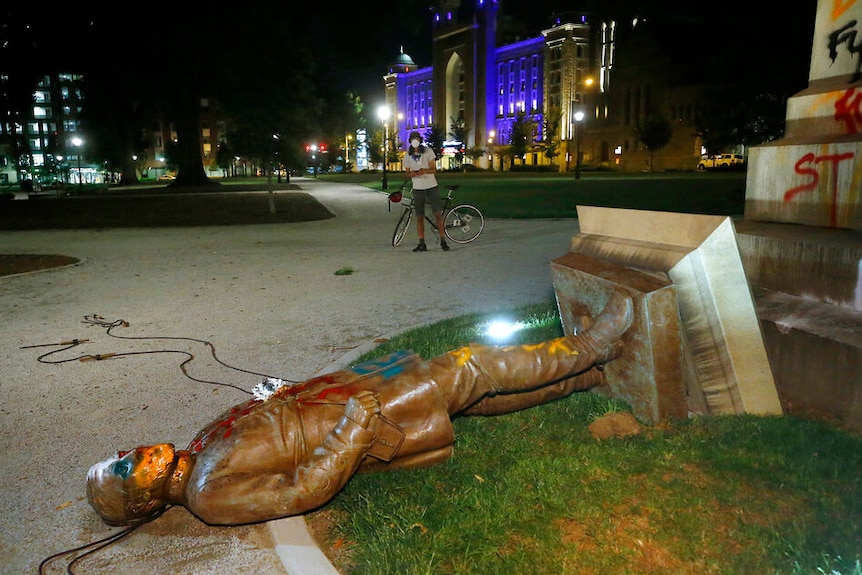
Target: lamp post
(78, 142)
(347, 140)
(491, 135)
(383, 113)
(579, 117)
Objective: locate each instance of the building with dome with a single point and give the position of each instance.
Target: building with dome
(473, 80)
(589, 84)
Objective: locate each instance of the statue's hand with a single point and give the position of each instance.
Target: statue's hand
(362, 407)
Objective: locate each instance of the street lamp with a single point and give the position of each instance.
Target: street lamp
(78, 142)
(383, 113)
(347, 140)
(491, 135)
(579, 117)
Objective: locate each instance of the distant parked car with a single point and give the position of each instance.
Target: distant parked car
(720, 161)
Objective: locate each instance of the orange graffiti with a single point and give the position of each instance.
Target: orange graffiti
(805, 167)
(840, 6)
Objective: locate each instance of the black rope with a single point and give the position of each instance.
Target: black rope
(90, 548)
(99, 321)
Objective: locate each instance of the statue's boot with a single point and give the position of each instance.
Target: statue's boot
(478, 379)
(603, 336)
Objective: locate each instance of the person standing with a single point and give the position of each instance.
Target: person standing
(420, 163)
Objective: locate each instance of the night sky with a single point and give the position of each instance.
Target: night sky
(357, 44)
(354, 42)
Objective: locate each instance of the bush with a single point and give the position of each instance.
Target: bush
(534, 168)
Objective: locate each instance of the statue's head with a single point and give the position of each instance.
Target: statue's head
(132, 486)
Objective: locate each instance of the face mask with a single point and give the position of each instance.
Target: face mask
(415, 143)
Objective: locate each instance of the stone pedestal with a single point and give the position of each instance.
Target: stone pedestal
(801, 238)
(648, 376)
(696, 345)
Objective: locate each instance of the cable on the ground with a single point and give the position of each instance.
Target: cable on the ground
(99, 321)
(89, 548)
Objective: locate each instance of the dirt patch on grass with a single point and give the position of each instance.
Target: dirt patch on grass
(321, 525)
(136, 209)
(11, 264)
(179, 209)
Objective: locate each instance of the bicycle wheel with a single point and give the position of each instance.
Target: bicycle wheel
(401, 226)
(464, 223)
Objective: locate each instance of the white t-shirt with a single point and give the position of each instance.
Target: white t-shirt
(418, 162)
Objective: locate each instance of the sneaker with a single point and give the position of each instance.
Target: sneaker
(444, 245)
(421, 247)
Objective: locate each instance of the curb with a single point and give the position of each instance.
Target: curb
(296, 548)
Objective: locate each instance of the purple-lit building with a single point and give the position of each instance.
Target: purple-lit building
(473, 79)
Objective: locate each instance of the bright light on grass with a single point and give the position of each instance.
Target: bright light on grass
(502, 329)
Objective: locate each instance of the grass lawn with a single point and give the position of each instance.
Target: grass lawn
(540, 195)
(534, 492)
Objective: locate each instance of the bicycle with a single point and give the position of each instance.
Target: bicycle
(462, 223)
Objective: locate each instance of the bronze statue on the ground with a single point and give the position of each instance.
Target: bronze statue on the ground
(293, 451)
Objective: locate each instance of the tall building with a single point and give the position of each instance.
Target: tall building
(49, 136)
(590, 87)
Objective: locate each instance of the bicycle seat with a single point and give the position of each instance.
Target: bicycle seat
(453, 188)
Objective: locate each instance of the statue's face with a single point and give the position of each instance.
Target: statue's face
(142, 467)
(132, 485)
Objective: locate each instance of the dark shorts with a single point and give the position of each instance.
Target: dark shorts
(432, 196)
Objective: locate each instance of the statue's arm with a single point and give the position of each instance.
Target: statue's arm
(238, 498)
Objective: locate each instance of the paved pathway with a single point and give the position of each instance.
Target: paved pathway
(268, 299)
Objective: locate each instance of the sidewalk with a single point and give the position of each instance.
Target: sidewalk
(268, 299)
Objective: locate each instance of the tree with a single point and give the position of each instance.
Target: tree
(375, 147)
(114, 121)
(736, 115)
(551, 131)
(459, 132)
(434, 137)
(474, 153)
(522, 135)
(224, 159)
(342, 120)
(654, 132)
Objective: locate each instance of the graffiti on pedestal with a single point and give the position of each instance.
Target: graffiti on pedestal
(846, 37)
(807, 166)
(847, 110)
